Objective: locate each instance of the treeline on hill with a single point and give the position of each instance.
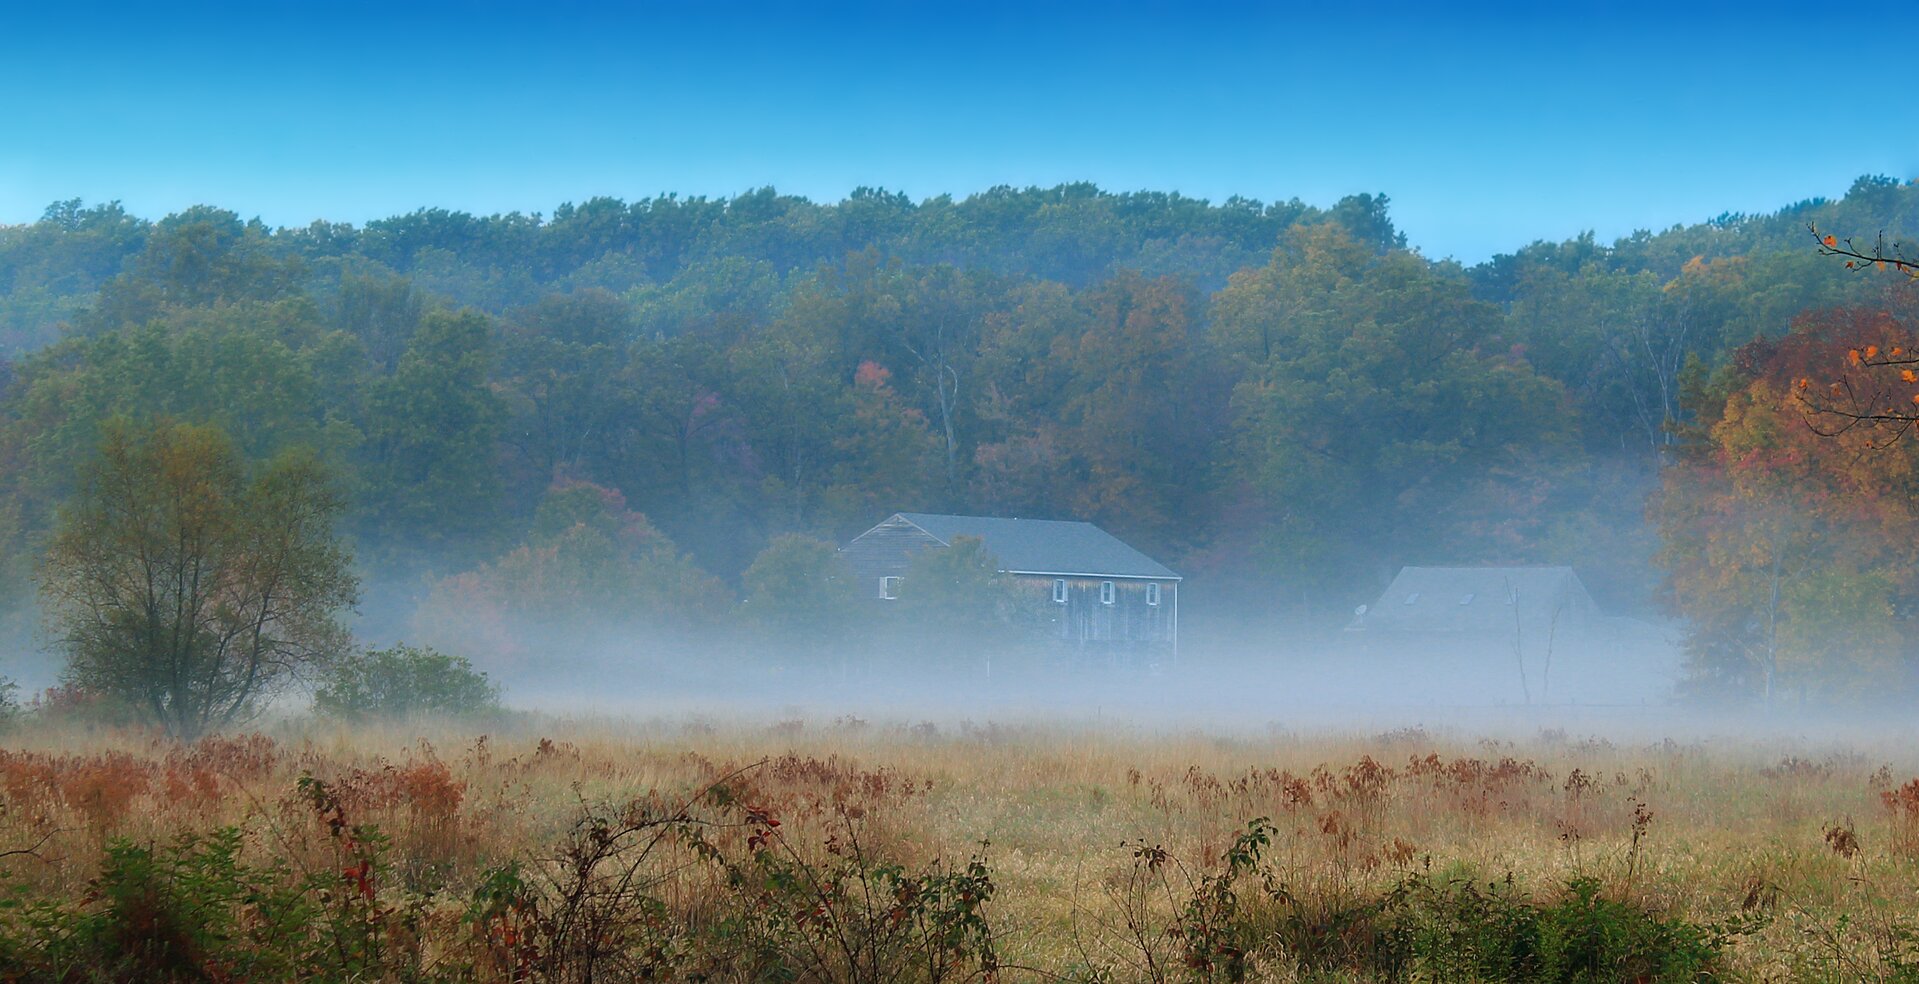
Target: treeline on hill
(618, 407)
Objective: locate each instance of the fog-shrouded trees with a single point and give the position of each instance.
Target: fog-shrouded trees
(1792, 552)
(430, 435)
(1282, 400)
(801, 592)
(189, 583)
(1375, 402)
(955, 605)
(16, 563)
(587, 564)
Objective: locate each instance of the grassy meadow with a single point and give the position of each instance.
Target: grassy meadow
(871, 851)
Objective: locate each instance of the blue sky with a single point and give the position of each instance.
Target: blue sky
(1488, 128)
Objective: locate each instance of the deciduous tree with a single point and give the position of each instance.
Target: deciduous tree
(587, 564)
(190, 584)
(431, 432)
(1791, 552)
(800, 591)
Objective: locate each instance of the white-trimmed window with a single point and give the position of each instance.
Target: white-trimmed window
(1105, 592)
(889, 588)
(1152, 594)
(1059, 590)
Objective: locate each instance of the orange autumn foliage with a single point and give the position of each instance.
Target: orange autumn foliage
(1792, 547)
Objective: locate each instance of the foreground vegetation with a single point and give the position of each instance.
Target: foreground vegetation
(850, 851)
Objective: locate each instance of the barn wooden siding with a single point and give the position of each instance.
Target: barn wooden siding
(1085, 621)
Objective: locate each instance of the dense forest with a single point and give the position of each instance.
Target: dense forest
(618, 407)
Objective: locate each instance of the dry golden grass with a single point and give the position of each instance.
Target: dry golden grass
(1700, 832)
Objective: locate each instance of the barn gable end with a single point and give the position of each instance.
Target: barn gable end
(1478, 601)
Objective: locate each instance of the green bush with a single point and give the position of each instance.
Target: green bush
(405, 681)
(1241, 914)
(1460, 931)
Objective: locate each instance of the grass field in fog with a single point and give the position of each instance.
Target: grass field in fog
(845, 850)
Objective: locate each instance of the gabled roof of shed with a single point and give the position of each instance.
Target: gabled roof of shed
(1475, 598)
(1045, 546)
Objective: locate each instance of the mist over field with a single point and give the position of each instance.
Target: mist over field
(618, 458)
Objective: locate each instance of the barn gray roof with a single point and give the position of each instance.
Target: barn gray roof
(1475, 599)
(1045, 546)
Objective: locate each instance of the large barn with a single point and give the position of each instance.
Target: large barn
(1106, 598)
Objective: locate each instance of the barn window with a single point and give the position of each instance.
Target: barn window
(1105, 592)
(1152, 594)
(889, 588)
(1059, 590)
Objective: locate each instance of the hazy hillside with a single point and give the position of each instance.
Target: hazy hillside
(1283, 401)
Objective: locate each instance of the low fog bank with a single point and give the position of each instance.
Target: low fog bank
(1311, 679)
